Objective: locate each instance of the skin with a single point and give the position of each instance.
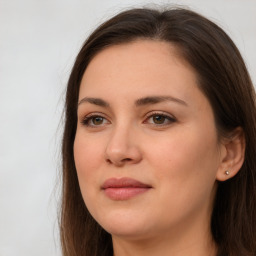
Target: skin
(180, 157)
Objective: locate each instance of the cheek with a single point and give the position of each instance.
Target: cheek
(186, 159)
(87, 153)
(88, 158)
(185, 170)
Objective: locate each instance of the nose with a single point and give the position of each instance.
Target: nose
(123, 147)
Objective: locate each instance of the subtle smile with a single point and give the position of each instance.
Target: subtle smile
(124, 188)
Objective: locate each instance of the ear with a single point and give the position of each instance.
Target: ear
(232, 155)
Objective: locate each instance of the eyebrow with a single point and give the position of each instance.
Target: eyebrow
(139, 102)
(95, 101)
(157, 99)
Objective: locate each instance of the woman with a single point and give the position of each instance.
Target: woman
(159, 141)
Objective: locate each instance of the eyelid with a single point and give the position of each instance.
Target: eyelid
(168, 116)
(84, 121)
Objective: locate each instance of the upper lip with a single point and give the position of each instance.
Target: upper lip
(124, 183)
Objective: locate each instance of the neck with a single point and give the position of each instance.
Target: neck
(191, 238)
(200, 245)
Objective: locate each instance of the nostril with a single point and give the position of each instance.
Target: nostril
(108, 161)
(121, 162)
(126, 160)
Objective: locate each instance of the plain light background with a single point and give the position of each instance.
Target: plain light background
(39, 40)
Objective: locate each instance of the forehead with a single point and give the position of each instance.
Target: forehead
(145, 64)
(139, 48)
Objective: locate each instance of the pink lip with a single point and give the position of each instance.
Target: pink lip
(124, 188)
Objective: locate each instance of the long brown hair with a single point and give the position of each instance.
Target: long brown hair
(222, 77)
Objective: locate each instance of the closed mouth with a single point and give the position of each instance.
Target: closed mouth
(120, 189)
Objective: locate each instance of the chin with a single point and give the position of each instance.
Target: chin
(125, 226)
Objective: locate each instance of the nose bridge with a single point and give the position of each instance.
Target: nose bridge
(122, 145)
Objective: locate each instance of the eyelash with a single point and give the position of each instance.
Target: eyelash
(86, 121)
(170, 119)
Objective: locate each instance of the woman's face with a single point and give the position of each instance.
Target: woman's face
(146, 148)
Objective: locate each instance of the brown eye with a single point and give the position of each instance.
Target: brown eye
(159, 119)
(94, 121)
(97, 120)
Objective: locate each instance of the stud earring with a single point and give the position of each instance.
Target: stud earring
(227, 172)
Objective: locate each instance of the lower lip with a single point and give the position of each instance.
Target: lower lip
(124, 193)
